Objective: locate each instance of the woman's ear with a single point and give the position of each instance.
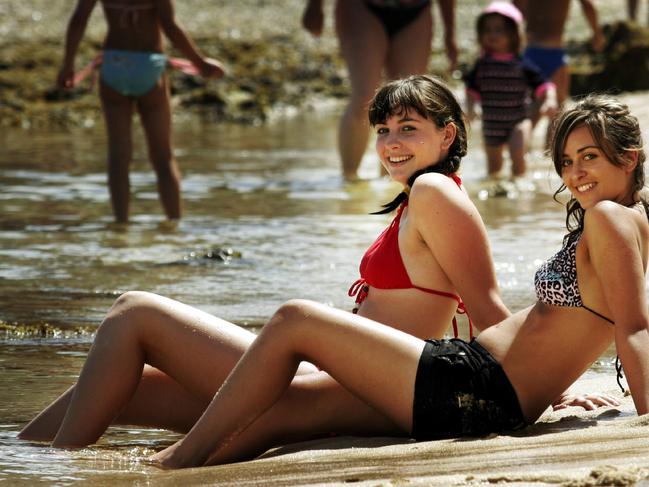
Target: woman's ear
(631, 157)
(450, 131)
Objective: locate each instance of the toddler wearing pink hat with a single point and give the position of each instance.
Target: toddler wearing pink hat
(504, 84)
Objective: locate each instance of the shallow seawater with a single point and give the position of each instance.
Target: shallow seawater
(267, 202)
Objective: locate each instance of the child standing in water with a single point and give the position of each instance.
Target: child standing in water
(501, 81)
(133, 77)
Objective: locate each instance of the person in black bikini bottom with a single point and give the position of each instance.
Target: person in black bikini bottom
(396, 15)
(378, 38)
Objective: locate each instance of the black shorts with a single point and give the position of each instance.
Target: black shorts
(461, 390)
(395, 19)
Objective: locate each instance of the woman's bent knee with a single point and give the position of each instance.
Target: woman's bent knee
(131, 300)
(129, 309)
(291, 314)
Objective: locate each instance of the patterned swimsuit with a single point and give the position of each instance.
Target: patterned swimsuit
(556, 284)
(555, 281)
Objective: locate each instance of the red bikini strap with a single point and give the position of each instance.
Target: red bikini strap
(360, 289)
(456, 178)
(461, 308)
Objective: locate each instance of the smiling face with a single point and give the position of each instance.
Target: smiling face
(590, 175)
(408, 142)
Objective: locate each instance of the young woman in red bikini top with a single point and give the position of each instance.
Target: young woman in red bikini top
(434, 258)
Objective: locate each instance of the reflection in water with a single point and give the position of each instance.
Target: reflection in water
(272, 194)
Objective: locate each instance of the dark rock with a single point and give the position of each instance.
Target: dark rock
(623, 65)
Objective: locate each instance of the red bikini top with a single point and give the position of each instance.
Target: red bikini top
(382, 267)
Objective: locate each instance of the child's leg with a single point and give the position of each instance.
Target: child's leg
(118, 113)
(155, 113)
(494, 155)
(374, 362)
(518, 144)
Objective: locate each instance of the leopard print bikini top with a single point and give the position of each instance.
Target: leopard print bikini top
(555, 281)
(556, 284)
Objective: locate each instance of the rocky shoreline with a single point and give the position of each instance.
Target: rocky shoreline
(273, 63)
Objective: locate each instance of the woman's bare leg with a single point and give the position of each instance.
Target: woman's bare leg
(155, 114)
(158, 402)
(118, 114)
(409, 48)
(363, 46)
(314, 406)
(194, 348)
(374, 362)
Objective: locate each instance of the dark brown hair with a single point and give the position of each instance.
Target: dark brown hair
(430, 98)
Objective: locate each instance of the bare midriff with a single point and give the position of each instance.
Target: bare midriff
(544, 349)
(415, 312)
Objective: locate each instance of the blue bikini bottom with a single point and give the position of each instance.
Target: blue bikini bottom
(547, 59)
(132, 73)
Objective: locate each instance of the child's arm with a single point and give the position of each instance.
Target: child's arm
(175, 33)
(470, 105)
(590, 12)
(472, 93)
(548, 100)
(313, 17)
(73, 36)
(447, 12)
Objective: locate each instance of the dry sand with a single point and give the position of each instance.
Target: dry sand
(572, 448)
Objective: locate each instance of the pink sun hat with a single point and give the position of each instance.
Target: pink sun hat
(505, 9)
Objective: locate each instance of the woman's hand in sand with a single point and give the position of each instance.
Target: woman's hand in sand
(588, 401)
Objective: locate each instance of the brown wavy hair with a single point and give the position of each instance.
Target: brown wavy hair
(616, 131)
